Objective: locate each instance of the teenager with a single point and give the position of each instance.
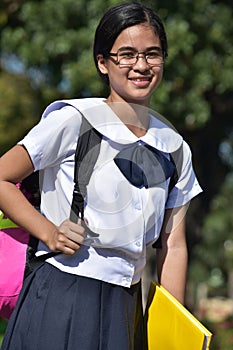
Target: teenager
(89, 296)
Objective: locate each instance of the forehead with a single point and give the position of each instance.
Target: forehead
(139, 37)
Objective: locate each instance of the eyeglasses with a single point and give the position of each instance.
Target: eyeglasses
(129, 57)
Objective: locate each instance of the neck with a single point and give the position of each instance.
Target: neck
(134, 116)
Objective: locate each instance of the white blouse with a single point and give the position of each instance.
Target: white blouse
(125, 218)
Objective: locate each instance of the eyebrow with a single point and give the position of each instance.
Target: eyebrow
(157, 48)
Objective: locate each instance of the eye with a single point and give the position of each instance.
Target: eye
(127, 54)
(154, 54)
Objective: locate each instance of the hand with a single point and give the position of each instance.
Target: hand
(68, 237)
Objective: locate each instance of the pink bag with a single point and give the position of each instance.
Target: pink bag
(16, 250)
(13, 246)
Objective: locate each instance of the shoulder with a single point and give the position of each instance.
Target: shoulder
(77, 104)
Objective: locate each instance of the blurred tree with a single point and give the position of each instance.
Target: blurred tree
(54, 46)
(198, 69)
(53, 43)
(19, 109)
(213, 257)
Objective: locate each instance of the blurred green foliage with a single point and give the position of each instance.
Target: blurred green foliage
(3, 325)
(54, 44)
(18, 108)
(213, 261)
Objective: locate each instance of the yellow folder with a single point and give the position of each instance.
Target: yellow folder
(170, 326)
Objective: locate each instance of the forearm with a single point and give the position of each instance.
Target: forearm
(172, 270)
(16, 165)
(15, 206)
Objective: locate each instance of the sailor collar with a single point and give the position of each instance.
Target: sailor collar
(160, 135)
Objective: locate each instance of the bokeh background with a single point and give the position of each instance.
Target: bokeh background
(46, 54)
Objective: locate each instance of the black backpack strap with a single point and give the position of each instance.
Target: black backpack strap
(177, 159)
(86, 154)
(87, 151)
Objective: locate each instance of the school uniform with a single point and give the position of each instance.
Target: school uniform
(92, 300)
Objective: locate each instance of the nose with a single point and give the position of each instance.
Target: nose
(141, 63)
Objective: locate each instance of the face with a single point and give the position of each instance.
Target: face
(135, 83)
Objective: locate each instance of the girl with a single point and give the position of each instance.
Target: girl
(89, 296)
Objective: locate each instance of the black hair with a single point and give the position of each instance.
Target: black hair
(120, 17)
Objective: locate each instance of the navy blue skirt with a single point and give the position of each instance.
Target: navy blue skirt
(60, 311)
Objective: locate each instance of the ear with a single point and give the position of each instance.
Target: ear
(102, 64)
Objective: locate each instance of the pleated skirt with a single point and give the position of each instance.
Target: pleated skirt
(60, 311)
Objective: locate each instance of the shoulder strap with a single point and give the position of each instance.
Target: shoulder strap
(86, 154)
(177, 159)
(87, 151)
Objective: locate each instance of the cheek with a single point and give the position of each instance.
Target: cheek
(158, 77)
(116, 84)
(116, 76)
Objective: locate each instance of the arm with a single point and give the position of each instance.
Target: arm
(15, 165)
(172, 258)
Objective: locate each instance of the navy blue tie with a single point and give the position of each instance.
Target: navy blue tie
(142, 165)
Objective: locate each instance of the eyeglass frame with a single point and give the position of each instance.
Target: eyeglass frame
(144, 53)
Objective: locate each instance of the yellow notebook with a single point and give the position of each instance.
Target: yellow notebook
(170, 326)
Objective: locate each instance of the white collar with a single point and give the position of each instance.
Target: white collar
(160, 135)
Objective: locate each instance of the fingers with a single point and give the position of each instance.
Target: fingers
(66, 245)
(69, 237)
(74, 232)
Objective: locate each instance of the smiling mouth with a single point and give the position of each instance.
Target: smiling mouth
(148, 79)
(141, 82)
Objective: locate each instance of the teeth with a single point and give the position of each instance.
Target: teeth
(140, 79)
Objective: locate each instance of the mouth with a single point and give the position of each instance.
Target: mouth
(141, 82)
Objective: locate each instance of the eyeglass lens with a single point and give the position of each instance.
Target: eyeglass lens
(130, 57)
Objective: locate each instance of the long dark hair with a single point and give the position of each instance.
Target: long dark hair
(120, 17)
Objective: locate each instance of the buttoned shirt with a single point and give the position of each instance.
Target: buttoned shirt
(125, 218)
